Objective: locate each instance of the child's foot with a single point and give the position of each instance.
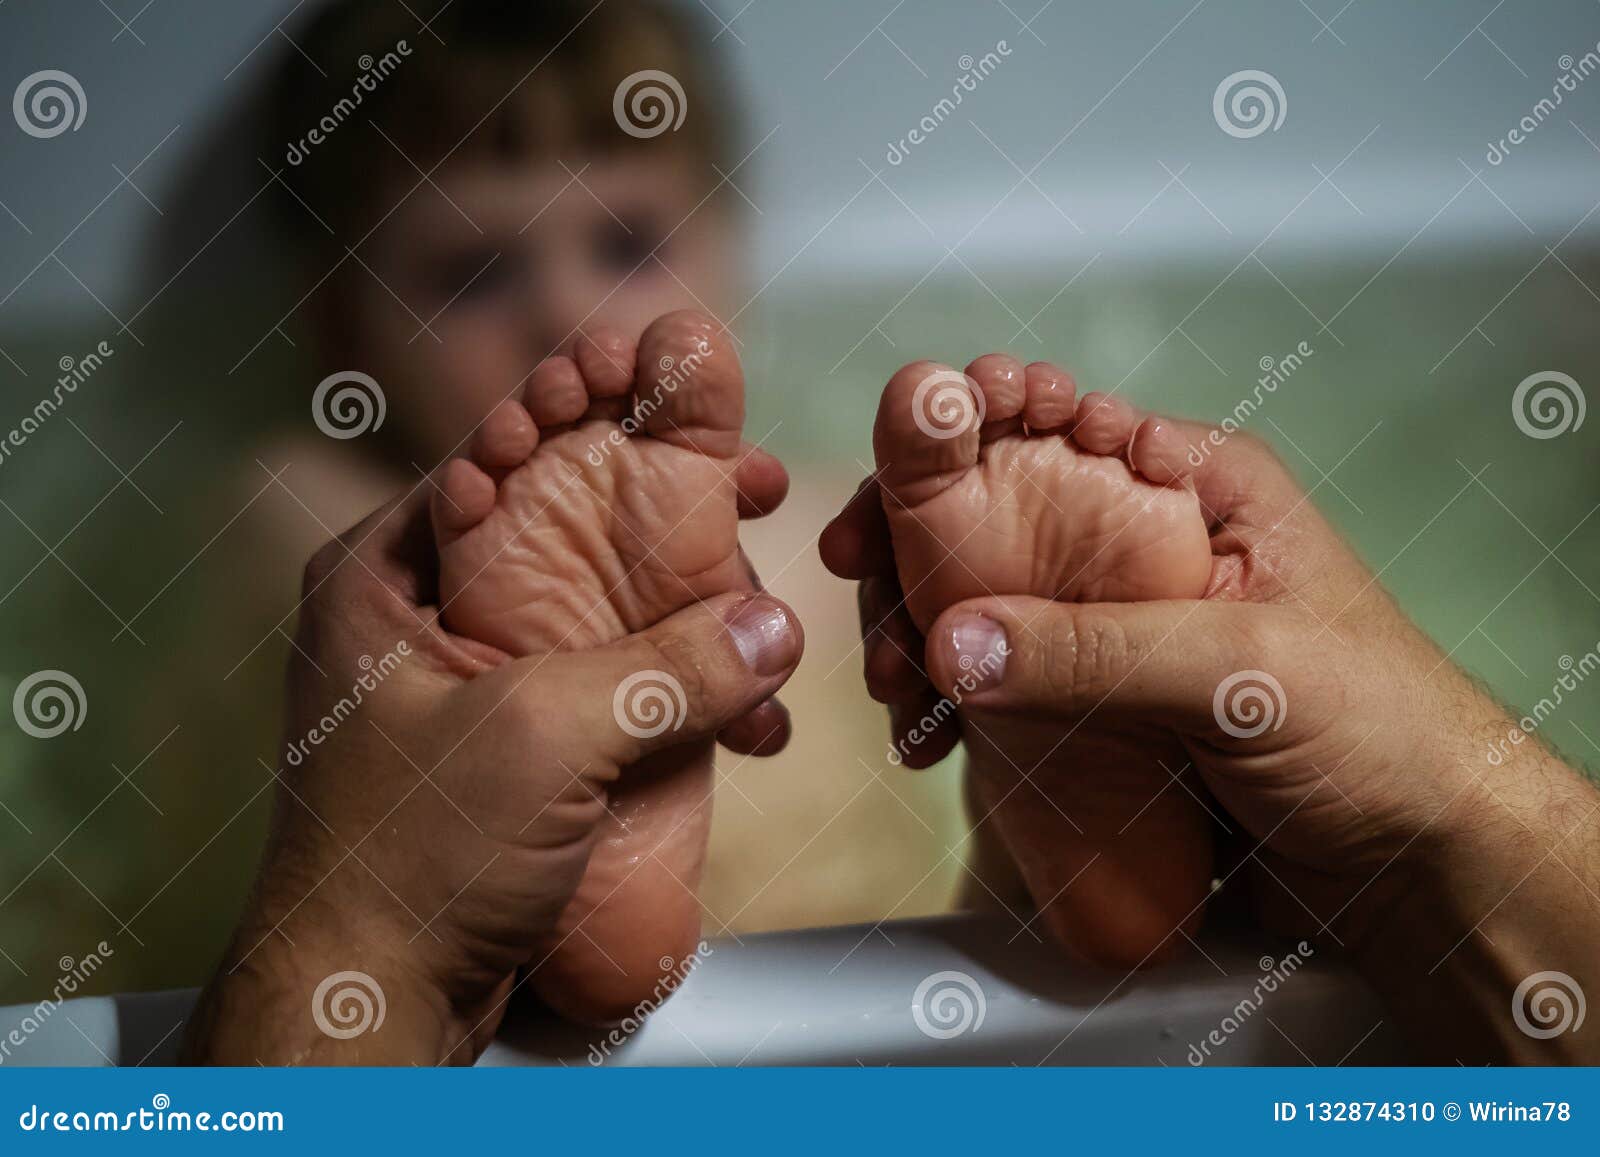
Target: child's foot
(600, 503)
(1002, 482)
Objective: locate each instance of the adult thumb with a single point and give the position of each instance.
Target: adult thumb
(686, 678)
(1168, 663)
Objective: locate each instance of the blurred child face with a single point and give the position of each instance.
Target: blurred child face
(493, 267)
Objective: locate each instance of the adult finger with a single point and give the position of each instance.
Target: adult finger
(1163, 662)
(390, 548)
(762, 732)
(890, 642)
(856, 543)
(762, 482)
(923, 730)
(686, 678)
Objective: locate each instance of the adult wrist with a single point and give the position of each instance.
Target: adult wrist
(316, 981)
(1492, 910)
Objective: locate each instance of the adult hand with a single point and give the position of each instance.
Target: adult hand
(1386, 806)
(424, 844)
(762, 484)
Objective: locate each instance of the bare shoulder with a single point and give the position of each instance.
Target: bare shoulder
(303, 491)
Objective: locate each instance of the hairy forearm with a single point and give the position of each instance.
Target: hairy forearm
(260, 1015)
(1501, 923)
(301, 985)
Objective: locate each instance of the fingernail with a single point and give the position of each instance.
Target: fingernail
(980, 649)
(762, 631)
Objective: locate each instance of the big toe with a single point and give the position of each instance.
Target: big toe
(927, 431)
(689, 388)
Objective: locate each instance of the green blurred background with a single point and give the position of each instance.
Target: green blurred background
(129, 545)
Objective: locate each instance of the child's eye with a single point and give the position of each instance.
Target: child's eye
(623, 247)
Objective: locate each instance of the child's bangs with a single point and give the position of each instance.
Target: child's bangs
(511, 83)
(510, 109)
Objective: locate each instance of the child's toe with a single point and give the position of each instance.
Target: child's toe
(1052, 397)
(1003, 382)
(556, 394)
(927, 430)
(463, 496)
(506, 437)
(1159, 452)
(606, 360)
(689, 387)
(1104, 424)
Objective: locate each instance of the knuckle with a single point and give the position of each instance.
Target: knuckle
(1261, 452)
(1082, 653)
(1265, 639)
(336, 588)
(1276, 641)
(679, 658)
(321, 568)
